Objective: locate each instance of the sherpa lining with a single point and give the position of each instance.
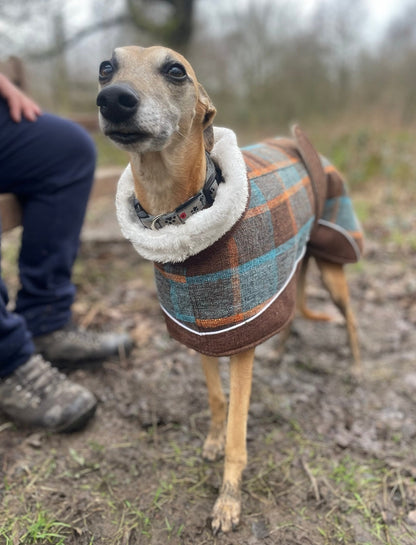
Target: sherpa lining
(175, 243)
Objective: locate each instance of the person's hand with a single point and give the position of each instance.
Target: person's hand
(19, 104)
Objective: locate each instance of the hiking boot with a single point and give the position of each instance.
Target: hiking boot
(37, 394)
(72, 345)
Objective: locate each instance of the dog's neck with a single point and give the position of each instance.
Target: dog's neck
(165, 179)
(175, 243)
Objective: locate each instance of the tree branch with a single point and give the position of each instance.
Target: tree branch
(77, 37)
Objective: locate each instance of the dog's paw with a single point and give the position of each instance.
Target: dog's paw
(226, 513)
(214, 445)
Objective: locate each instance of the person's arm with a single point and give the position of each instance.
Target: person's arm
(19, 104)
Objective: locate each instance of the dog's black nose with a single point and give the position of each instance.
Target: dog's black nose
(117, 102)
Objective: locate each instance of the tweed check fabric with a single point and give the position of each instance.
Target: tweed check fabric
(241, 290)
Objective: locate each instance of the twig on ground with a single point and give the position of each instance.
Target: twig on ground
(314, 482)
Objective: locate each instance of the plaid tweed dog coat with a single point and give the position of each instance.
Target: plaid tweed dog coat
(226, 278)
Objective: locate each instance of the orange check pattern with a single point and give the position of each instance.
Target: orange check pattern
(236, 293)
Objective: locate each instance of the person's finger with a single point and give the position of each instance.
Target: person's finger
(15, 110)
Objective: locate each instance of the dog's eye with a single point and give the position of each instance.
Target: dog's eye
(106, 71)
(176, 72)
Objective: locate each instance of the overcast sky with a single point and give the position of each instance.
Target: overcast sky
(380, 11)
(80, 12)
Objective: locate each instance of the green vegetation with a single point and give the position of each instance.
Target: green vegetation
(35, 528)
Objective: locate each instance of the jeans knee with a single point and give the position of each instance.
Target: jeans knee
(81, 152)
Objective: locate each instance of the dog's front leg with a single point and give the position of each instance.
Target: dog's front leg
(215, 441)
(226, 512)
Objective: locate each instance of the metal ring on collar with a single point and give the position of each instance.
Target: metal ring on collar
(153, 224)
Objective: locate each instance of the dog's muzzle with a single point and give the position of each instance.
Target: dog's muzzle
(118, 103)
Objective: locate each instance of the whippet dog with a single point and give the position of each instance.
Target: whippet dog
(229, 231)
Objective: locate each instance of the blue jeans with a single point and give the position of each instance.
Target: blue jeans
(49, 165)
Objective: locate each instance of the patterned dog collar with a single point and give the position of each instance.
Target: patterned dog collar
(203, 199)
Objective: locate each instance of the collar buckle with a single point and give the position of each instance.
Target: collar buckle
(153, 225)
(204, 199)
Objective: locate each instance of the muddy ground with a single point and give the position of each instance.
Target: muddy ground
(330, 460)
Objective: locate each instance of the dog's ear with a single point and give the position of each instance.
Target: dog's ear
(208, 108)
(208, 114)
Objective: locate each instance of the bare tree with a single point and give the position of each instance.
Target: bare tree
(43, 33)
(263, 64)
(167, 21)
(172, 24)
(340, 25)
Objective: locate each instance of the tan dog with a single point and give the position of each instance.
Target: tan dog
(152, 106)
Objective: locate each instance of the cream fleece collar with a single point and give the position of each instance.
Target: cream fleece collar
(175, 243)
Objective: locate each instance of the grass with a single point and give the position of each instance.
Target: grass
(379, 163)
(34, 528)
(350, 495)
(354, 492)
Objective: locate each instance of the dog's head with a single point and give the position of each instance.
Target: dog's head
(149, 97)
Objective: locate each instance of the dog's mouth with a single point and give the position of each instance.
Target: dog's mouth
(124, 137)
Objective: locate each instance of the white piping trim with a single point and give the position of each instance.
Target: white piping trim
(344, 232)
(230, 328)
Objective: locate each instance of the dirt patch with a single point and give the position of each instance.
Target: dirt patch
(330, 460)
